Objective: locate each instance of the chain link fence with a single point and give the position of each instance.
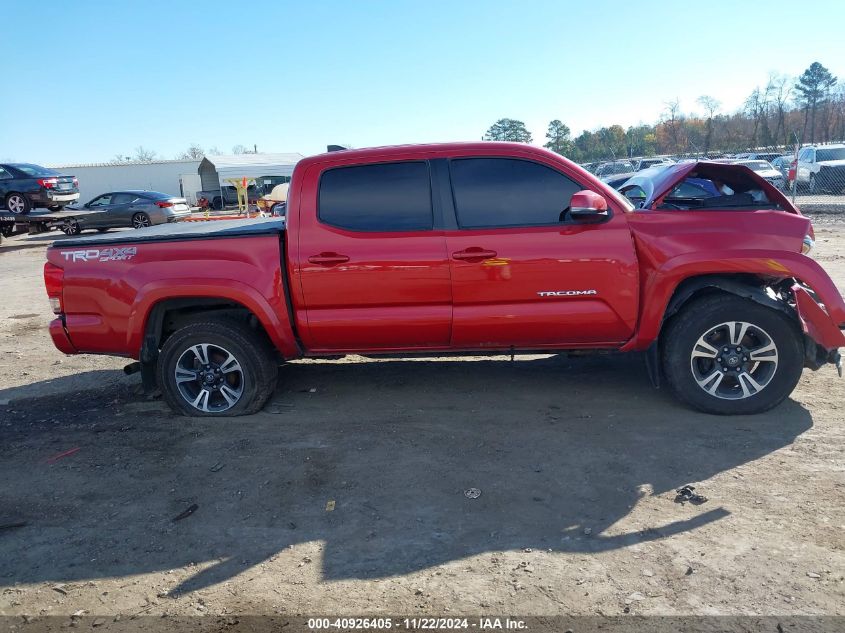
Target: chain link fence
(812, 175)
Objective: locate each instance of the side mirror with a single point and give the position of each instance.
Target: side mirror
(588, 206)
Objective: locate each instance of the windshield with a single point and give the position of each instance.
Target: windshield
(837, 153)
(35, 170)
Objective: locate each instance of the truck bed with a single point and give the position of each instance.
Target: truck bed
(176, 231)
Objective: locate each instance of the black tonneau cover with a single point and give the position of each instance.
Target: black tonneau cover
(212, 229)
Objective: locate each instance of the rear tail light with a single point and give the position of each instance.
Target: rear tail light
(54, 278)
(48, 183)
(164, 204)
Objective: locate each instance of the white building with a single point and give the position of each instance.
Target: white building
(176, 177)
(183, 177)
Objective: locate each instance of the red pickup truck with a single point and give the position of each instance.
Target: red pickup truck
(473, 247)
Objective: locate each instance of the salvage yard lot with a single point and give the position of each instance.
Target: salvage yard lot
(346, 494)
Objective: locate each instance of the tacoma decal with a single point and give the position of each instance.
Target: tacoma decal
(117, 254)
(566, 293)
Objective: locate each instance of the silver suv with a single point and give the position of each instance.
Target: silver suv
(820, 168)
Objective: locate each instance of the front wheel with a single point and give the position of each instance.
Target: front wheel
(71, 227)
(217, 367)
(727, 355)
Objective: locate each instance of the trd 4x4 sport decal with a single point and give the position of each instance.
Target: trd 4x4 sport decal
(117, 254)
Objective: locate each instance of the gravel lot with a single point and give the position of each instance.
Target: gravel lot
(346, 495)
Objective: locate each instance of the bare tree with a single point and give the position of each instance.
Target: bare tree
(711, 107)
(144, 155)
(239, 149)
(194, 152)
(781, 89)
(673, 120)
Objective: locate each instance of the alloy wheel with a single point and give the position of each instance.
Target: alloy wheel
(734, 360)
(209, 378)
(140, 221)
(16, 203)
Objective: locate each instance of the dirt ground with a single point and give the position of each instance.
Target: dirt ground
(346, 495)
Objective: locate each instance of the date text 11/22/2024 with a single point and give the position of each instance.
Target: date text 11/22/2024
(417, 623)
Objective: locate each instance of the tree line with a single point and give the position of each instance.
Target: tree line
(777, 115)
(194, 152)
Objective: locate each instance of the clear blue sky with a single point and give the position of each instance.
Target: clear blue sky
(83, 81)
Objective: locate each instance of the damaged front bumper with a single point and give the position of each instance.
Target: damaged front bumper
(823, 335)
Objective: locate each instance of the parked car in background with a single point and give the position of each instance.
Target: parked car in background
(24, 186)
(820, 168)
(614, 168)
(274, 202)
(782, 163)
(767, 156)
(645, 163)
(121, 209)
(765, 170)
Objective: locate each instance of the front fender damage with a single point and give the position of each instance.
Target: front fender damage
(822, 335)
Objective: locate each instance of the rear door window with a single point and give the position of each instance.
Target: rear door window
(501, 192)
(123, 198)
(382, 197)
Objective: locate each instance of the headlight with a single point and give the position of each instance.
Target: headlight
(807, 246)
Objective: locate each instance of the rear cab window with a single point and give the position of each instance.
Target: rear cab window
(379, 197)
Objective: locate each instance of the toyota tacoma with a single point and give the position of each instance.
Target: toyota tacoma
(478, 247)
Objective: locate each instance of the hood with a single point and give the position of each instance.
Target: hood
(658, 184)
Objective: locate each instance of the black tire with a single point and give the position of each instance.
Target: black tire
(252, 351)
(19, 201)
(7, 230)
(700, 316)
(102, 230)
(71, 227)
(56, 208)
(141, 220)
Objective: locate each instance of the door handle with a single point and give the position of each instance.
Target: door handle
(328, 259)
(474, 253)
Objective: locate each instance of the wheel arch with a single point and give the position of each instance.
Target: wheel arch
(747, 286)
(166, 316)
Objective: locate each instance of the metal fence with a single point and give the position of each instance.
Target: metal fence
(812, 175)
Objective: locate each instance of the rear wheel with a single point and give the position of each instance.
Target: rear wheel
(18, 203)
(56, 208)
(217, 367)
(140, 221)
(727, 355)
(102, 230)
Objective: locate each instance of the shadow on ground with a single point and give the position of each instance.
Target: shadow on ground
(555, 445)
